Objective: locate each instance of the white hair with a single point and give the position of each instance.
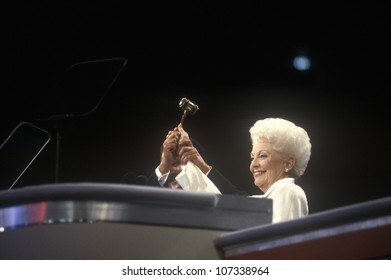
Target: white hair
(284, 137)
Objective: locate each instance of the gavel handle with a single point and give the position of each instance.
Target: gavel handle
(184, 116)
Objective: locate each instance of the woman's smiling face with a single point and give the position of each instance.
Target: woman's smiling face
(267, 165)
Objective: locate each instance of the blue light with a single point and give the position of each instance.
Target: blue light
(301, 63)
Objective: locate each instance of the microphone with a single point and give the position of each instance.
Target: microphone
(133, 179)
(58, 117)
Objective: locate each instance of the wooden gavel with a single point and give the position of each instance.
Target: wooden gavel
(188, 108)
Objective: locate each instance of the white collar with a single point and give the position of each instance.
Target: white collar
(279, 183)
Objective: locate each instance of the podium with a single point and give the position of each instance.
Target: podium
(117, 221)
(358, 231)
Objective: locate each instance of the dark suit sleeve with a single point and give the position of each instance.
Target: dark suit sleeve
(223, 184)
(152, 180)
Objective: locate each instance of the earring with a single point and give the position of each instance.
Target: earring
(286, 169)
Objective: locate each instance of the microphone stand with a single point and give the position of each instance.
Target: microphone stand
(57, 126)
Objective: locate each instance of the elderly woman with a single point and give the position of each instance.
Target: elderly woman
(280, 154)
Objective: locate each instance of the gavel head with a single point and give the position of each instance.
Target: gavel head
(188, 106)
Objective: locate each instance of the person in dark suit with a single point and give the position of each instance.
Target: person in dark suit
(177, 149)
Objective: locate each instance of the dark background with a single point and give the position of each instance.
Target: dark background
(234, 60)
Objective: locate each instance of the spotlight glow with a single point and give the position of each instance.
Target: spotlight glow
(301, 63)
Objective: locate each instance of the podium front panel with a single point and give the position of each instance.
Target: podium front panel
(115, 221)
